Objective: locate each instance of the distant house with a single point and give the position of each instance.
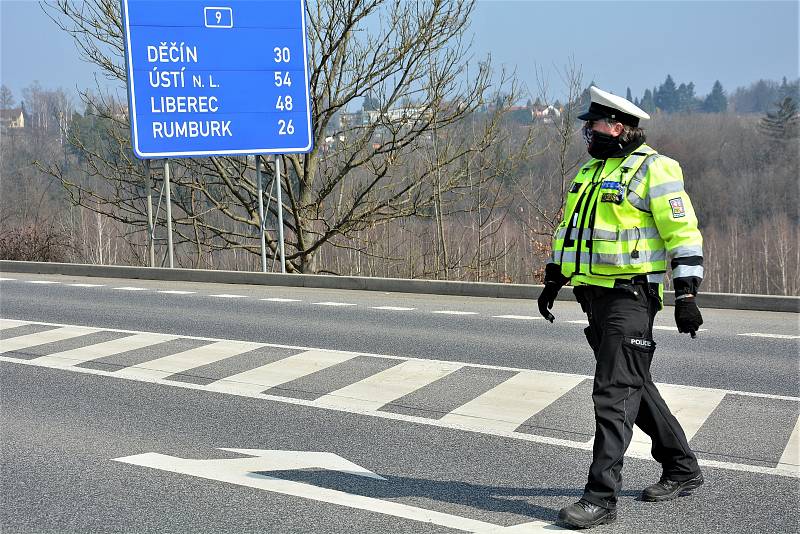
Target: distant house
(546, 114)
(12, 118)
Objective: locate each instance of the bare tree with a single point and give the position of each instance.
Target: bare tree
(376, 171)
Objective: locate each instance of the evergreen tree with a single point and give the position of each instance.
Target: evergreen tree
(666, 99)
(783, 123)
(647, 102)
(629, 95)
(685, 99)
(716, 101)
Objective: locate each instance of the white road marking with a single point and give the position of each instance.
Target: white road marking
(176, 292)
(40, 338)
(333, 304)
(228, 296)
(392, 308)
(791, 454)
(278, 299)
(128, 288)
(183, 361)
(782, 469)
(690, 407)
(81, 355)
(776, 336)
(518, 317)
(7, 279)
(86, 285)
(247, 472)
(580, 321)
(451, 312)
(388, 385)
(11, 323)
(511, 403)
(43, 282)
(674, 328)
(279, 372)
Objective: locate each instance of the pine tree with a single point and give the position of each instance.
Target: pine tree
(666, 99)
(783, 123)
(716, 101)
(647, 102)
(629, 95)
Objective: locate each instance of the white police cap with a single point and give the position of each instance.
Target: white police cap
(607, 106)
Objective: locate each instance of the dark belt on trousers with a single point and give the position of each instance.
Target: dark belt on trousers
(590, 292)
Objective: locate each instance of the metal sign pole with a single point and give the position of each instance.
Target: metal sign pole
(261, 221)
(280, 211)
(151, 229)
(169, 213)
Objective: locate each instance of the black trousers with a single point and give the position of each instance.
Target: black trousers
(620, 333)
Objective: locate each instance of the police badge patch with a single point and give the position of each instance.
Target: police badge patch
(678, 210)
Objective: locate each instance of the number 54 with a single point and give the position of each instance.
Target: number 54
(282, 78)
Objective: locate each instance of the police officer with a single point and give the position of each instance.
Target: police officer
(625, 217)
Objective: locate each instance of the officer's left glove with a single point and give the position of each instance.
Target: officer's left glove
(687, 315)
(553, 282)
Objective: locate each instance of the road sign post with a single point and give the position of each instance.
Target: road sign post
(217, 78)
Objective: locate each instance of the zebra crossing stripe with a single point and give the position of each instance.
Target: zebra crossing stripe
(511, 403)
(279, 372)
(41, 338)
(791, 454)
(690, 406)
(81, 355)
(11, 323)
(161, 368)
(388, 385)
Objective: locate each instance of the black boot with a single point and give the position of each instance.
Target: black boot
(667, 489)
(584, 514)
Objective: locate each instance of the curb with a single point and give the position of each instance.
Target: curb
(731, 301)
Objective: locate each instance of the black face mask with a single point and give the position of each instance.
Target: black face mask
(603, 146)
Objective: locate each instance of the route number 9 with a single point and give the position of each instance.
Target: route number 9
(282, 55)
(285, 128)
(218, 16)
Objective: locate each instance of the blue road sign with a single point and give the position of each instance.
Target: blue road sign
(217, 77)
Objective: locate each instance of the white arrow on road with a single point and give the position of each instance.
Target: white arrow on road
(246, 472)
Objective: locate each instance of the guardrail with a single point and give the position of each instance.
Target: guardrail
(396, 285)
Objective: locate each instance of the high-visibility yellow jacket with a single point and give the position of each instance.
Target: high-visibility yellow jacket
(625, 217)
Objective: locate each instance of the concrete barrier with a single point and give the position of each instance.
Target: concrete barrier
(395, 285)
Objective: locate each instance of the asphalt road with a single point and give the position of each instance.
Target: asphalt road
(66, 426)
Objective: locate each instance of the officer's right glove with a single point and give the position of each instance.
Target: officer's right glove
(687, 316)
(553, 282)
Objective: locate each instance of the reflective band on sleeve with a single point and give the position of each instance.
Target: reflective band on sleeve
(657, 278)
(638, 202)
(686, 271)
(666, 189)
(561, 233)
(686, 251)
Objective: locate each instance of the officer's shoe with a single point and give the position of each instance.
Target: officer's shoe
(666, 489)
(584, 514)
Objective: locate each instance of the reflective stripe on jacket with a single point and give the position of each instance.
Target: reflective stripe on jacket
(624, 218)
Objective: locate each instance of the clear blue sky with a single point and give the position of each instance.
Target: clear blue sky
(618, 44)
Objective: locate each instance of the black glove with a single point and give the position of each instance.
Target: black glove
(687, 316)
(553, 282)
(546, 299)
